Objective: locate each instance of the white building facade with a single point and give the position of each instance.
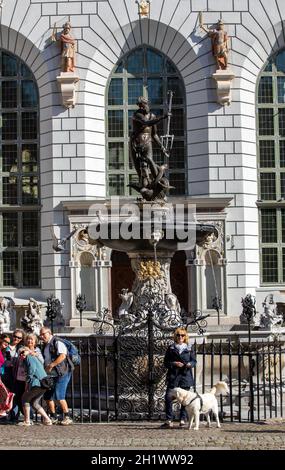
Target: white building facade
(57, 161)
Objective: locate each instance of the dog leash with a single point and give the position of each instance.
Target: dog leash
(195, 398)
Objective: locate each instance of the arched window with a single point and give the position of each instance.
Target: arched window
(19, 173)
(271, 166)
(143, 72)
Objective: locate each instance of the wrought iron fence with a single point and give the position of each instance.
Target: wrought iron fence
(116, 379)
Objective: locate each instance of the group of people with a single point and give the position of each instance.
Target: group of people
(31, 373)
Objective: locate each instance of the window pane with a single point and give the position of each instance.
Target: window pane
(266, 154)
(135, 89)
(9, 94)
(116, 155)
(119, 69)
(9, 158)
(29, 158)
(177, 159)
(10, 190)
(115, 96)
(269, 265)
(175, 85)
(116, 185)
(283, 224)
(116, 123)
(155, 90)
(177, 122)
(265, 91)
(282, 152)
(281, 115)
(267, 186)
(29, 94)
(25, 71)
(29, 126)
(30, 228)
(10, 229)
(170, 68)
(9, 65)
(154, 62)
(135, 62)
(10, 269)
(268, 226)
(9, 129)
(30, 268)
(265, 120)
(280, 62)
(268, 67)
(282, 185)
(30, 190)
(178, 181)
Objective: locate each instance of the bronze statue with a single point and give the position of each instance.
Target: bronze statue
(219, 40)
(67, 48)
(152, 181)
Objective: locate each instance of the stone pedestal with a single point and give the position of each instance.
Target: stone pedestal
(68, 85)
(223, 79)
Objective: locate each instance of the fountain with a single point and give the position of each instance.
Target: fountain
(150, 230)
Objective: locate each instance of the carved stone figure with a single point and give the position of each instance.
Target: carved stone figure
(219, 39)
(152, 181)
(124, 309)
(4, 315)
(68, 45)
(270, 317)
(143, 8)
(32, 321)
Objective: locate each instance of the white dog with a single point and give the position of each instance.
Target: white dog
(196, 404)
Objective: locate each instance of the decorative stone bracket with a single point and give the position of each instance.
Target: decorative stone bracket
(224, 79)
(68, 86)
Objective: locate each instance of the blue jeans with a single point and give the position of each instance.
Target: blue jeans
(168, 407)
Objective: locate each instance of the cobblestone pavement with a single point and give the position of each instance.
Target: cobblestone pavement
(145, 435)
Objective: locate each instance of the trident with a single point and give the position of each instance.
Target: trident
(167, 140)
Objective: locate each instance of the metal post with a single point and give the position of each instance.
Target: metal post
(81, 305)
(54, 308)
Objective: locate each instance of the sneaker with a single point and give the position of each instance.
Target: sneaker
(54, 420)
(66, 421)
(47, 422)
(182, 423)
(24, 423)
(167, 425)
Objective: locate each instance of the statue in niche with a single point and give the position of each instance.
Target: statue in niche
(219, 39)
(68, 47)
(4, 316)
(32, 321)
(152, 183)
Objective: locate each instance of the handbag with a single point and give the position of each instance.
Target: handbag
(47, 382)
(6, 399)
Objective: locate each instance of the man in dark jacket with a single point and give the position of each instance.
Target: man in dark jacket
(179, 361)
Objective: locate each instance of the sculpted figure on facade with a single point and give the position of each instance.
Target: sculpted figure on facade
(68, 48)
(219, 39)
(4, 316)
(270, 317)
(32, 321)
(144, 7)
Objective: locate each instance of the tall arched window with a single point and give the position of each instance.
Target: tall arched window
(19, 174)
(143, 72)
(271, 166)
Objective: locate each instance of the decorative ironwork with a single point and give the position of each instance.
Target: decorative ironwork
(198, 324)
(81, 305)
(217, 305)
(54, 308)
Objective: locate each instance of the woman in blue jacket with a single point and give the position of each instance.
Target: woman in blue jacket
(34, 390)
(179, 361)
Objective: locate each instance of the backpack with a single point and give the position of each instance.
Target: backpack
(73, 353)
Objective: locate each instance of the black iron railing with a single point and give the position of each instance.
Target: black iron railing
(113, 380)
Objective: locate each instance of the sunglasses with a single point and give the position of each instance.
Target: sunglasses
(6, 342)
(17, 337)
(182, 336)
